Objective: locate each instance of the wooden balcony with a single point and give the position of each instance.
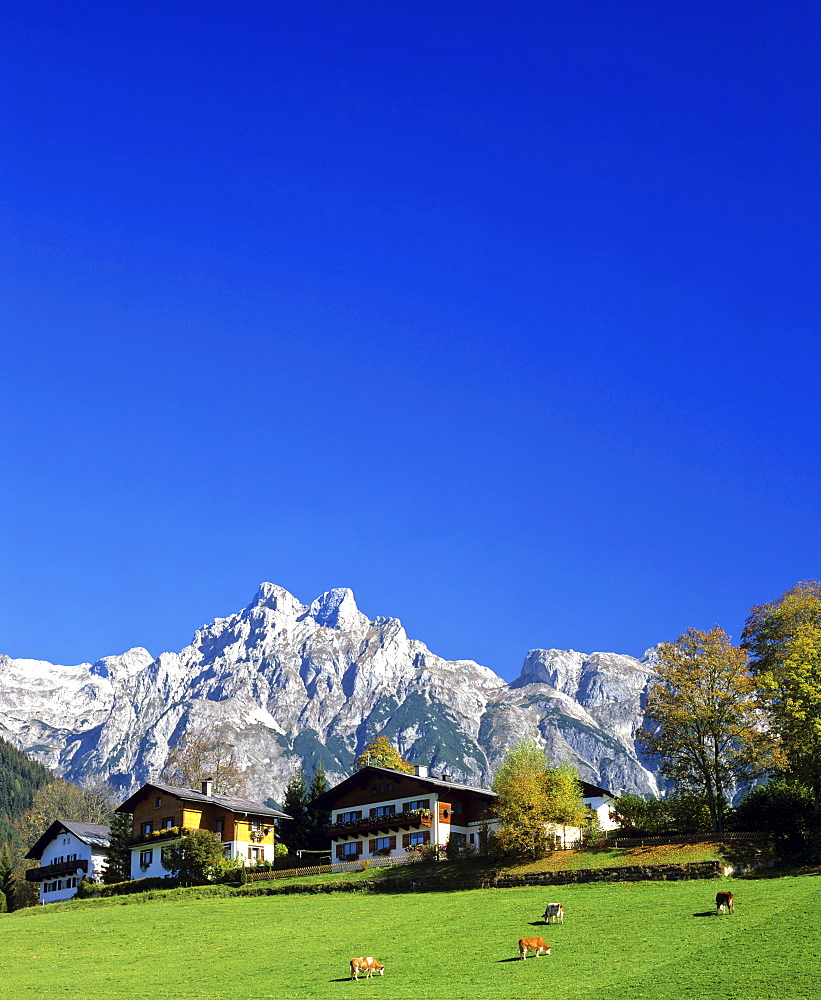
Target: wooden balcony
(380, 824)
(57, 871)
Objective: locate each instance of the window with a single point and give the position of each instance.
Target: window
(456, 808)
(168, 822)
(226, 851)
(383, 845)
(255, 853)
(146, 828)
(165, 853)
(146, 857)
(417, 804)
(71, 883)
(219, 824)
(417, 838)
(158, 802)
(458, 839)
(349, 817)
(350, 849)
(71, 857)
(472, 838)
(383, 811)
(255, 825)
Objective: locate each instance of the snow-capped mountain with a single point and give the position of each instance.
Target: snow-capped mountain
(300, 683)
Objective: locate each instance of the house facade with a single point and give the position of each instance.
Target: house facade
(378, 812)
(68, 852)
(160, 813)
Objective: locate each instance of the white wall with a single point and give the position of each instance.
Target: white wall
(64, 848)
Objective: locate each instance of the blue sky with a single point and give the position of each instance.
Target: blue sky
(503, 315)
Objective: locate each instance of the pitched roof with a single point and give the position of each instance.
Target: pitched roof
(323, 801)
(230, 802)
(93, 834)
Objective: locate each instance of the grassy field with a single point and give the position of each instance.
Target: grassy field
(652, 940)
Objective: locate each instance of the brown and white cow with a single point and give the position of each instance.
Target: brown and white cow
(536, 944)
(725, 901)
(554, 912)
(367, 965)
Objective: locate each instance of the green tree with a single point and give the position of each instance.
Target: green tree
(23, 892)
(532, 796)
(784, 642)
(119, 849)
(317, 819)
(782, 809)
(205, 752)
(293, 832)
(20, 777)
(380, 752)
(6, 869)
(701, 719)
(191, 857)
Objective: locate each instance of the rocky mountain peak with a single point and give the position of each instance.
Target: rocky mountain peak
(277, 599)
(297, 684)
(337, 609)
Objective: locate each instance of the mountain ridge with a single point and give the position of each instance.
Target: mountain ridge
(297, 683)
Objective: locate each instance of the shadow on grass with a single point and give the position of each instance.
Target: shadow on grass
(706, 913)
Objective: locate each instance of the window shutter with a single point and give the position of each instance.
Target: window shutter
(359, 844)
(373, 812)
(392, 842)
(339, 850)
(371, 846)
(406, 840)
(426, 837)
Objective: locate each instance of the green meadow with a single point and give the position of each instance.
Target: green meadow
(653, 940)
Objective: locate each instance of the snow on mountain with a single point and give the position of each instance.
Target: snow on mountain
(298, 683)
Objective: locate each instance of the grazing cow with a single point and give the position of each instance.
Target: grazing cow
(554, 912)
(725, 901)
(367, 965)
(533, 944)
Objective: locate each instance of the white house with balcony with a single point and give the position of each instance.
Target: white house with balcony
(68, 852)
(378, 812)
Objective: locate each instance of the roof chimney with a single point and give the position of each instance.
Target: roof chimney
(420, 770)
(207, 785)
(445, 776)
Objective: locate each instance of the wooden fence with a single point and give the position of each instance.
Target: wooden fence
(337, 866)
(687, 838)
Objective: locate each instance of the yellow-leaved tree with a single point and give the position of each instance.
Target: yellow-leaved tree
(533, 797)
(784, 642)
(702, 721)
(380, 752)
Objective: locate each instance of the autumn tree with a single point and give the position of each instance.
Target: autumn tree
(205, 752)
(64, 800)
(784, 642)
(532, 796)
(701, 719)
(380, 752)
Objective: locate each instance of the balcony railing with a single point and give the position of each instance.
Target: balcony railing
(169, 833)
(56, 871)
(372, 824)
